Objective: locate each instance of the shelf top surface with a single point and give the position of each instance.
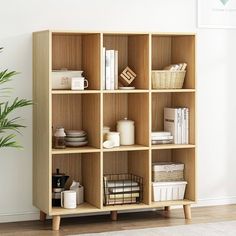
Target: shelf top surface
(155, 33)
(68, 150)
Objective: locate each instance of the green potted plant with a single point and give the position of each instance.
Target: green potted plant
(9, 124)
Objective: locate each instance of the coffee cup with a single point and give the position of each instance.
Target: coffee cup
(68, 199)
(79, 83)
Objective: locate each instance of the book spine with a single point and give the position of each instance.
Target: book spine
(104, 68)
(183, 129)
(187, 126)
(108, 69)
(112, 70)
(179, 125)
(116, 69)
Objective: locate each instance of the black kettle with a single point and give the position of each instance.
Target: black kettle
(59, 180)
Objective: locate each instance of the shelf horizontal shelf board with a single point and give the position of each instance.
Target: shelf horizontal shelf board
(172, 146)
(173, 90)
(74, 91)
(171, 203)
(82, 208)
(68, 150)
(126, 91)
(127, 148)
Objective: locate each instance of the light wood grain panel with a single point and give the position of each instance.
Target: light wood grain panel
(138, 164)
(138, 59)
(161, 52)
(138, 111)
(159, 102)
(69, 164)
(119, 43)
(115, 107)
(67, 111)
(66, 52)
(91, 59)
(183, 50)
(115, 163)
(91, 118)
(161, 155)
(91, 167)
(187, 157)
(41, 121)
(187, 100)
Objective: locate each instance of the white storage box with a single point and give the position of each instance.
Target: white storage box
(167, 191)
(61, 79)
(167, 171)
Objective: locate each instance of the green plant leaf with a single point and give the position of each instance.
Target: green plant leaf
(8, 141)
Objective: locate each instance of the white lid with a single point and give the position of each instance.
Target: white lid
(125, 120)
(60, 132)
(157, 184)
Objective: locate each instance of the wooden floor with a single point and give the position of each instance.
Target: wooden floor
(91, 224)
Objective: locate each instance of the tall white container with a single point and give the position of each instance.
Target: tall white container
(127, 131)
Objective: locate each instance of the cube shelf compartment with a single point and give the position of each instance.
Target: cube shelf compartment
(93, 108)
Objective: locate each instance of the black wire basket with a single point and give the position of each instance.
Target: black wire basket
(120, 189)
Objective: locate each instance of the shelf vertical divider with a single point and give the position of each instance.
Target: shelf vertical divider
(150, 114)
(101, 118)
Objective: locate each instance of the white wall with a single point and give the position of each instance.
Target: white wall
(216, 83)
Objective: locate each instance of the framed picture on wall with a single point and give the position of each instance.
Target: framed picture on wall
(216, 14)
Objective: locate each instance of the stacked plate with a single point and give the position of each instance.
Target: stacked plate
(76, 138)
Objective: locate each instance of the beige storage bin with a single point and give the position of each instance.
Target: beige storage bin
(166, 79)
(167, 171)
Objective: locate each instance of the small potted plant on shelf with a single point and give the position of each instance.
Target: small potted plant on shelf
(9, 125)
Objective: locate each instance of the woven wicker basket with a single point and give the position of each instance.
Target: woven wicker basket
(165, 79)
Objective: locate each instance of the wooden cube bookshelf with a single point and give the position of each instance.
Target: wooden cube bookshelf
(94, 108)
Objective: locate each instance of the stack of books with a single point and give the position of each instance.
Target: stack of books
(162, 137)
(176, 121)
(121, 191)
(110, 75)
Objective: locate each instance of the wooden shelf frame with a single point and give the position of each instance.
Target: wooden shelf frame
(94, 108)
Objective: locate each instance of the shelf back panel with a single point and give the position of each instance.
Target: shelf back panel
(115, 163)
(161, 52)
(67, 111)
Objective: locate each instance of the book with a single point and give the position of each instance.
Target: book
(112, 69)
(116, 70)
(170, 122)
(187, 126)
(125, 195)
(108, 69)
(124, 189)
(183, 140)
(104, 68)
(179, 125)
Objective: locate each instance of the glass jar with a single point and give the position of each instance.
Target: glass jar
(59, 138)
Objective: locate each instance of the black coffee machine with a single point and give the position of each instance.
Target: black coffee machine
(58, 185)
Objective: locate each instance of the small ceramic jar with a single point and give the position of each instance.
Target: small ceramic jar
(59, 137)
(114, 137)
(126, 129)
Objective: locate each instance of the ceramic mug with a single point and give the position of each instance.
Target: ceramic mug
(79, 83)
(68, 199)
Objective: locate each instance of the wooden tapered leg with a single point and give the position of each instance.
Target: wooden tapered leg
(114, 215)
(187, 212)
(56, 222)
(167, 208)
(42, 216)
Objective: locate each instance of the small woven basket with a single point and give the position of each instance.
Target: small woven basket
(165, 79)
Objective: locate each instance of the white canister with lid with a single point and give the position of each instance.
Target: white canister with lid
(114, 137)
(126, 129)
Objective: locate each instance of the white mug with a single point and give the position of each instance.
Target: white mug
(79, 83)
(68, 199)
